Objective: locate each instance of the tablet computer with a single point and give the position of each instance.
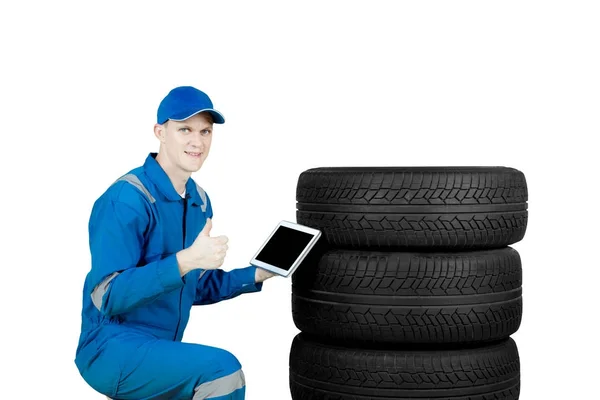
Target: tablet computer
(285, 248)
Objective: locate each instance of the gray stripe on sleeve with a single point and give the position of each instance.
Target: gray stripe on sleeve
(135, 181)
(101, 290)
(220, 387)
(202, 194)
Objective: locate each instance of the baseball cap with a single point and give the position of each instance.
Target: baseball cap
(184, 102)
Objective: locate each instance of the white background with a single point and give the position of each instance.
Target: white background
(302, 85)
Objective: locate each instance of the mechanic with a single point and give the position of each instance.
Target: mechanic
(152, 259)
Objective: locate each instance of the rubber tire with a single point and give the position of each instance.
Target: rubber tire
(407, 297)
(414, 207)
(320, 371)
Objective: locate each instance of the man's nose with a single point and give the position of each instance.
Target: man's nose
(196, 141)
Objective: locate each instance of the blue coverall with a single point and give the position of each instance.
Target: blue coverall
(136, 305)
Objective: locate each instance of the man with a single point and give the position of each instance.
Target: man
(152, 259)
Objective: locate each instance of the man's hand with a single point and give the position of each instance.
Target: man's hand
(262, 275)
(206, 252)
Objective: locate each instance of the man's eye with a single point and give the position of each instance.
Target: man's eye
(183, 129)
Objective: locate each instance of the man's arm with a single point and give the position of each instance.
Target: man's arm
(217, 285)
(116, 232)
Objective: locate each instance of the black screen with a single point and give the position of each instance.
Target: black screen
(284, 247)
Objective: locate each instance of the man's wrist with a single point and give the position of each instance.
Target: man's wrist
(262, 275)
(182, 262)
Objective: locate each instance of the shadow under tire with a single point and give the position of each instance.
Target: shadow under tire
(414, 207)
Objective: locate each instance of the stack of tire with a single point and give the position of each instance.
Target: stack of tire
(413, 291)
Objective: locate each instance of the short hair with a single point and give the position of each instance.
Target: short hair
(212, 120)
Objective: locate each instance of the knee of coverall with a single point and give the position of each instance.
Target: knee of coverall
(226, 380)
(224, 364)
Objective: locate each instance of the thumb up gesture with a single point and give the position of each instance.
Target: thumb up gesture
(206, 252)
(205, 232)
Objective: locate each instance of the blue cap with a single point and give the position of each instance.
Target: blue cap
(186, 101)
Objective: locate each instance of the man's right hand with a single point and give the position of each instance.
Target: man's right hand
(206, 252)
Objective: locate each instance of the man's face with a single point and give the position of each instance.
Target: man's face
(187, 143)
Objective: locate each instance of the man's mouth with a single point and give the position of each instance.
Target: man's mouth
(189, 153)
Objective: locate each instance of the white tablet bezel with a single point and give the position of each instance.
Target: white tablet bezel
(316, 235)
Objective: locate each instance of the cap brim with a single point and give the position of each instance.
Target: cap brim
(217, 116)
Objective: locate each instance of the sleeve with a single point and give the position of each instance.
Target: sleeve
(209, 210)
(216, 285)
(118, 283)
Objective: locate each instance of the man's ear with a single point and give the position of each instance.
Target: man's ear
(160, 131)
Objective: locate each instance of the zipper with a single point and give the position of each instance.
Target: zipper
(183, 247)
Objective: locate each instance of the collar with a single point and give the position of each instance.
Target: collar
(161, 180)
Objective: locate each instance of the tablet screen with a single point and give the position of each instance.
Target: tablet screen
(284, 247)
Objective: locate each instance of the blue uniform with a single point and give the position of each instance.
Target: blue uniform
(135, 303)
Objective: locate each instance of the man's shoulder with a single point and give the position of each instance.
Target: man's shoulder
(198, 187)
(131, 189)
(203, 197)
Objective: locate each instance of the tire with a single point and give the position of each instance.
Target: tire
(319, 371)
(414, 207)
(389, 298)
